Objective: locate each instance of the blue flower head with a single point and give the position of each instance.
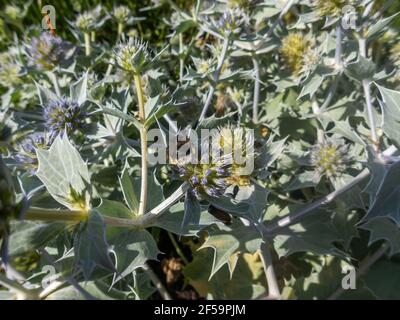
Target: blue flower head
(63, 114)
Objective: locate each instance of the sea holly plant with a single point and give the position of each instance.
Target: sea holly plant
(229, 149)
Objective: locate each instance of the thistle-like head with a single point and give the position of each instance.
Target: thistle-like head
(122, 14)
(132, 56)
(46, 51)
(297, 53)
(26, 151)
(330, 157)
(63, 114)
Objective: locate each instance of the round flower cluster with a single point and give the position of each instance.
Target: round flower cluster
(231, 21)
(9, 71)
(223, 170)
(26, 157)
(12, 12)
(332, 8)
(47, 51)
(132, 56)
(205, 178)
(330, 158)
(85, 21)
(122, 14)
(297, 53)
(63, 114)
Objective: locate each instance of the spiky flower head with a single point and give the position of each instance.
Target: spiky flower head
(231, 21)
(238, 142)
(208, 179)
(47, 51)
(330, 158)
(86, 21)
(203, 66)
(297, 52)
(122, 14)
(132, 56)
(26, 151)
(223, 168)
(9, 70)
(12, 12)
(63, 114)
(332, 8)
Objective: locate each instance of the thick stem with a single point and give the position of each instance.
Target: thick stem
(215, 80)
(55, 215)
(139, 222)
(88, 48)
(256, 95)
(266, 259)
(120, 30)
(143, 144)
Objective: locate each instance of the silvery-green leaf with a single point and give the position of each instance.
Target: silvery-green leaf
(384, 229)
(386, 202)
(304, 180)
(114, 209)
(132, 249)
(172, 221)
(315, 234)
(228, 243)
(192, 211)
(45, 95)
(62, 168)
(391, 114)
(128, 190)
(78, 90)
(90, 246)
(361, 69)
(379, 27)
(28, 236)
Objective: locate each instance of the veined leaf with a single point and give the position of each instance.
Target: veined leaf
(132, 249)
(229, 243)
(386, 202)
(90, 246)
(61, 169)
(391, 114)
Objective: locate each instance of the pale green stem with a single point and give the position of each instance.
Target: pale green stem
(88, 48)
(93, 36)
(266, 259)
(120, 30)
(144, 221)
(181, 61)
(143, 144)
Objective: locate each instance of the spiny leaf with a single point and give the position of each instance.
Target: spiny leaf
(132, 249)
(229, 243)
(386, 202)
(90, 246)
(384, 229)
